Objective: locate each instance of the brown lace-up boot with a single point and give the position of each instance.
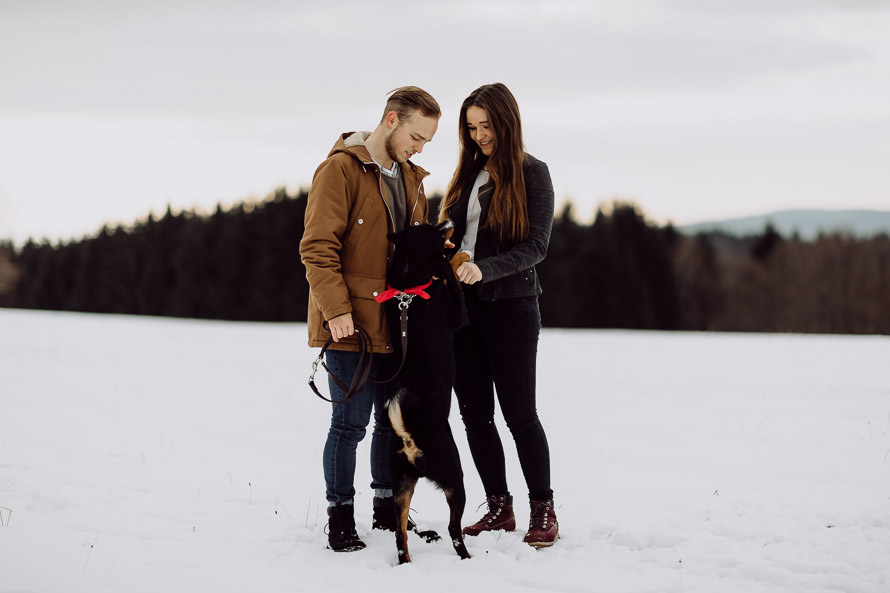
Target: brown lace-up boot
(499, 516)
(543, 530)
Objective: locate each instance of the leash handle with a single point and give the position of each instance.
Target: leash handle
(363, 369)
(359, 377)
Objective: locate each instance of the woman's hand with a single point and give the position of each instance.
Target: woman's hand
(469, 273)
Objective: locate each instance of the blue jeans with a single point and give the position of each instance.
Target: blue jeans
(349, 421)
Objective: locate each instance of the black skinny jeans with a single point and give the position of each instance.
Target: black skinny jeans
(497, 351)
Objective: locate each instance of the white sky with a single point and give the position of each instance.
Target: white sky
(693, 109)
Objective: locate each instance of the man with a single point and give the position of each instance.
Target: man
(365, 189)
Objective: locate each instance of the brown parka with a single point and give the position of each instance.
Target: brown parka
(344, 246)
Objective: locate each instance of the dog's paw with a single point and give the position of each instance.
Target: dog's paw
(458, 258)
(430, 536)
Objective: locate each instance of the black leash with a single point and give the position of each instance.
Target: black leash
(366, 355)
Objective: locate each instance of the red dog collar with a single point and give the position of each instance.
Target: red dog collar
(391, 292)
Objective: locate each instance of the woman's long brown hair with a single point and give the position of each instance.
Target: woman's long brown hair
(508, 214)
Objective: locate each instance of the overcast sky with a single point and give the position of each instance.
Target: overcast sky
(693, 109)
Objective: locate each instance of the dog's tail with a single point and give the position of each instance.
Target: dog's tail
(394, 410)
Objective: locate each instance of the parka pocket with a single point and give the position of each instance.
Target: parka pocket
(363, 286)
(367, 312)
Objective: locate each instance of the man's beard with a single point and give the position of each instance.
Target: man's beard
(387, 144)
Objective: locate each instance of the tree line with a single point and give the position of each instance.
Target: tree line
(238, 264)
(619, 271)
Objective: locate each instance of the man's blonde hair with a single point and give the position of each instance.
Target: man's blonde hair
(408, 99)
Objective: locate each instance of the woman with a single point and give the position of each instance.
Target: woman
(501, 202)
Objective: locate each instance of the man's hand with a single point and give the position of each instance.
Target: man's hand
(341, 326)
(469, 273)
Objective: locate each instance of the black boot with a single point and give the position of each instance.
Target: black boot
(341, 529)
(385, 518)
(385, 515)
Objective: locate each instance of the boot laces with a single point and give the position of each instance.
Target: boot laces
(494, 510)
(540, 514)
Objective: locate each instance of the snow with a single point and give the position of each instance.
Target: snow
(147, 454)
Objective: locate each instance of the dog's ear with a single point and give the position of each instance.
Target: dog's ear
(446, 227)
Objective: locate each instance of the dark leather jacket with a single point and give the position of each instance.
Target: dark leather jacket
(508, 268)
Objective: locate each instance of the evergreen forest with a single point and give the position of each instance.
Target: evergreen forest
(618, 271)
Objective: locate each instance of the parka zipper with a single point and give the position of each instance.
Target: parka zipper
(392, 219)
(417, 198)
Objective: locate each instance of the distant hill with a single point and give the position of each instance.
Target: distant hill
(806, 223)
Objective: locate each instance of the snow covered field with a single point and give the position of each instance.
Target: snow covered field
(149, 455)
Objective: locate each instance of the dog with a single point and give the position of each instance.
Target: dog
(423, 445)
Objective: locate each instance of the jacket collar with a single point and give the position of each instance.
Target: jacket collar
(353, 143)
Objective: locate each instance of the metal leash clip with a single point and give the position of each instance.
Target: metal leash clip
(404, 300)
(314, 369)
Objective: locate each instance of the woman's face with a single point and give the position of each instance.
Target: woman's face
(480, 129)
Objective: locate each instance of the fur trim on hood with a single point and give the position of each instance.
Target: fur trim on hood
(356, 139)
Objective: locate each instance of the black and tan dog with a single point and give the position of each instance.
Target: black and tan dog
(423, 445)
